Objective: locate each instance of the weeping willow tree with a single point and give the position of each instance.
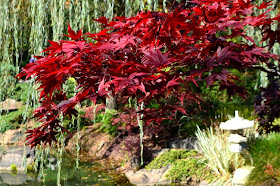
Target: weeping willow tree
(8, 43)
(257, 35)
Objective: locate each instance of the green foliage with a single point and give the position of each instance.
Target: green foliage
(105, 119)
(30, 167)
(153, 104)
(186, 164)
(215, 109)
(247, 78)
(72, 125)
(265, 152)
(191, 167)
(12, 120)
(71, 85)
(14, 168)
(218, 99)
(21, 92)
(7, 83)
(212, 93)
(275, 123)
(169, 158)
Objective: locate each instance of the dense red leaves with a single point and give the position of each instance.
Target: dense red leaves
(150, 56)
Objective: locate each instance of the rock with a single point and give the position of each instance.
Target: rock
(135, 163)
(6, 178)
(137, 178)
(12, 137)
(52, 163)
(241, 175)
(52, 160)
(13, 141)
(159, 152)
(92, 141)
(15, 156)
(189, 143)
(149, 177)
(30, 124)
(10, 105)
(203, 183)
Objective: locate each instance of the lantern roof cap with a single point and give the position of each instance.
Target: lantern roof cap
(236, 123)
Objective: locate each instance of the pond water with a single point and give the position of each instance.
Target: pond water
(86, 175)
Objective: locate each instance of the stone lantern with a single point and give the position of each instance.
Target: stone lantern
(236, 125)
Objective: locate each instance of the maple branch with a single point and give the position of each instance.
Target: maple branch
(269, 71)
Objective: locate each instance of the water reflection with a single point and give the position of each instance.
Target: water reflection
(87, 174)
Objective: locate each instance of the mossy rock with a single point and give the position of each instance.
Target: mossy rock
(190, 169)
(186, 166)
(169, 157)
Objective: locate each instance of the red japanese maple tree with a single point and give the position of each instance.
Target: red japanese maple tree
(152, 55)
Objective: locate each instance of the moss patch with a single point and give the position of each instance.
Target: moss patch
(186, 166)
(14, 168)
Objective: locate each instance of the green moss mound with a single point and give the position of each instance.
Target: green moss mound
(186, 166)
(170, 157)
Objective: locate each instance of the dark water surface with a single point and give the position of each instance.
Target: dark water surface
(88, 174)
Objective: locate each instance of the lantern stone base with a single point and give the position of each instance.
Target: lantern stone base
(241, 175)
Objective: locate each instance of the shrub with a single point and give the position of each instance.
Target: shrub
(128, 147)
(169, 158)
(21, 92)
(12, 120)
(186, 166)
(190, 168)
(265, 152)
(273, 173)
(105, 119)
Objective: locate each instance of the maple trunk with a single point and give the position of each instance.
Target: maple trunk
(111, 102)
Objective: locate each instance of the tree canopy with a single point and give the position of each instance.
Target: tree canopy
(151, 56)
